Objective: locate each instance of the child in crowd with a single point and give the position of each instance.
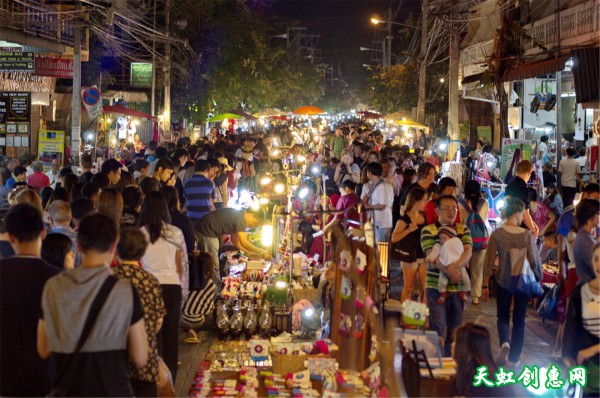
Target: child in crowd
(548, 250)
(200, 304)
(448, 251)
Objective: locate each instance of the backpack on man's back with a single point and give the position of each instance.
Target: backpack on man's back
(476, 224)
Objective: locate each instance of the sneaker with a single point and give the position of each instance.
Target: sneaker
(514, 365)
(503, 356)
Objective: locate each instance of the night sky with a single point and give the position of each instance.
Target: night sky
(344, 26)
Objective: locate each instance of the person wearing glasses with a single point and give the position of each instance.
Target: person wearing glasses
(446, 315)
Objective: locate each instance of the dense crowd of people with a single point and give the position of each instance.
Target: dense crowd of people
(99, 267)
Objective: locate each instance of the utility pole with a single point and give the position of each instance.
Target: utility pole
(153, 95)
(453, 128)
(167, 67)
(389, 37)
(558, 131)
(76, 97)
(423, 65)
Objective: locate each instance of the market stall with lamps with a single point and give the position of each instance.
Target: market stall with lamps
(123, 123)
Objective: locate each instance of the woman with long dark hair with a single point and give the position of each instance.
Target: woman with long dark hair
(509, 242)
(179, 219)
(407, 243)
(110, 203)
(165, 258)
(473, 202)
(426, 174)
(472, 349)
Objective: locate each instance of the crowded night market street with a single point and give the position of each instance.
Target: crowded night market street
(299, 198)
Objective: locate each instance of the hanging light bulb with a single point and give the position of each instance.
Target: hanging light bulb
(267, 235)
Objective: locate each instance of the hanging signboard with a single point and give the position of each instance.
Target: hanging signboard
(14, 106)
(91, 98)
(16, 61)
(141, 75)
(14, 112)
(509, 151)
(53, 67)
(51, 145)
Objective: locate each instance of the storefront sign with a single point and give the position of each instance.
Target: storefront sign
(51, 145)
(14, 107)
(509, 151)
(53, 67)
(16, 61)
(141, 75)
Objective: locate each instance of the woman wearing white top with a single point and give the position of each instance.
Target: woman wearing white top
(165, 258)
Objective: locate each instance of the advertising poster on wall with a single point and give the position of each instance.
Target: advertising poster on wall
(51, 145)
(513, 151)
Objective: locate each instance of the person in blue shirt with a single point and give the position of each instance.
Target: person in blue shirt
(19, 175)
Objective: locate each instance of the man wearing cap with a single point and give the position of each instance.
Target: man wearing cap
(228, 221)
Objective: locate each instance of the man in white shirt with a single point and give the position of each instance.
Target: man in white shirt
(542, 149)
(378, 195)
(53, 173)
(569, 173)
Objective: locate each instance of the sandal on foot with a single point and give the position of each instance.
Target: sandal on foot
(192, 339)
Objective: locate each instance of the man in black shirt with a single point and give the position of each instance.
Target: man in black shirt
(22, 279)
(517, 188)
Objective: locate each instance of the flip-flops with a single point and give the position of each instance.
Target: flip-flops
(192, 339)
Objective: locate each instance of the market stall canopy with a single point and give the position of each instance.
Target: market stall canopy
(243, 114)
(222, 116)
(126, 111)
(269, 112)
(369, 114)
(411, 123)
(309, 110)
(398, 115)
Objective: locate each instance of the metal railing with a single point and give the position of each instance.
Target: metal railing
(579, 24)
(40, 20)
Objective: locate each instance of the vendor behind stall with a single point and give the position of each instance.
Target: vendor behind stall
(228, 221)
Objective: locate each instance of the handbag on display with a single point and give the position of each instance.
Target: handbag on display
(548, 308)
(522, 281)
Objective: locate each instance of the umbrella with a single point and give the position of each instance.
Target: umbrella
(243, 114)
(308, 110)
(409, 122)
(269, 112)
(369, 114)
(223, 116)
(398, 115)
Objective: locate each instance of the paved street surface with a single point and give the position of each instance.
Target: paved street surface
(539, 342)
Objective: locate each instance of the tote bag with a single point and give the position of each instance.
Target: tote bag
(522, 281)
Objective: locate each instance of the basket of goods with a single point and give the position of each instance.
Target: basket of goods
(288, 358)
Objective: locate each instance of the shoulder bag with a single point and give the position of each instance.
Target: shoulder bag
(522, 281)
(62, 389)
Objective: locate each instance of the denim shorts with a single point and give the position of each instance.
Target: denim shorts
(412, 266)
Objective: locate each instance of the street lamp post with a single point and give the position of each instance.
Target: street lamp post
(377, 50)
(388, 57)
(389, 38)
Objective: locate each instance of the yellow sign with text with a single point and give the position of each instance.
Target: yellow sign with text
(51, 145)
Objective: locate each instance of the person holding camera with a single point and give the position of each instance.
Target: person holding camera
(347, 170)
